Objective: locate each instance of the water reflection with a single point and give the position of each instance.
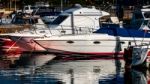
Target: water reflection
(137, 76)
(84, 71)
(25, 76)
(47, 71)
(101, 71)
(34, 60)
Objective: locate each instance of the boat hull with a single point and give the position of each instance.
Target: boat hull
(9, 47)
(95, 44)
(26, 44)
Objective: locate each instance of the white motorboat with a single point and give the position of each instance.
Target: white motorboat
(106, 41)
(74, 18)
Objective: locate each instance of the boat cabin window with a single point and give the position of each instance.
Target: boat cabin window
(147, 14)
(59, 19)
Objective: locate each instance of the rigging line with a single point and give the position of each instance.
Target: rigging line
(13, 44)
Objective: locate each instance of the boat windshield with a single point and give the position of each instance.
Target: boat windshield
(59, 19)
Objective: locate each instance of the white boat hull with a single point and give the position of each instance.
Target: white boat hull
(88, 44)
(27, 44)
(79, 47)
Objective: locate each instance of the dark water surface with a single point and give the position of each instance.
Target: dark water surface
(37, 70)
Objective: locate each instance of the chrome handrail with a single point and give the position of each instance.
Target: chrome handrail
(61, 29)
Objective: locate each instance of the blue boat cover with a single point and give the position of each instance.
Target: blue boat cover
(124, 32)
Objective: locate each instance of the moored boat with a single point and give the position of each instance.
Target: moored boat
(106, 41)
(77, 17)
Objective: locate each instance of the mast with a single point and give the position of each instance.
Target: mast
(10, 3)
(15, 6)
(72, 23)
(61, 6)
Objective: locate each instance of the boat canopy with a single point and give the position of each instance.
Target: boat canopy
(123, 32)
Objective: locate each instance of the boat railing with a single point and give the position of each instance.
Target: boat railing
(60, 29)
(64, 29)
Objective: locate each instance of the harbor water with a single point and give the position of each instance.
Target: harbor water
(37, 69)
